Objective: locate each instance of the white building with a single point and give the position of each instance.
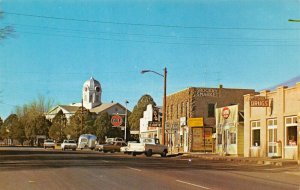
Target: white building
(149, 115)
(91, 100)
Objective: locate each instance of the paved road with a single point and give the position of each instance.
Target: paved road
(34, 168)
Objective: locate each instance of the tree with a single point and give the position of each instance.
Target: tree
(9, 126)
(138, 110)
(57, 129)
(81, 123)
(36, 125)
(102, 125)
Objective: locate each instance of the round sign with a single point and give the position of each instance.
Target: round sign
(226, 112)
(116, 120)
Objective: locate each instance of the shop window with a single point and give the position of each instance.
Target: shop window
(291, 131)
(211, 110)
(291, 135)
(256, 137)
(255, 126)
(232, 138)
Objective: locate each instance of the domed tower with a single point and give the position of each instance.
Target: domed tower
(91, 93)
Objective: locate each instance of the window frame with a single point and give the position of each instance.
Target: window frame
(255, 127)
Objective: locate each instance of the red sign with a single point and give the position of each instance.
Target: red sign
(226, 112)
(116, 120)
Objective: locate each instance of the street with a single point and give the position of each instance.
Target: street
(36, 168)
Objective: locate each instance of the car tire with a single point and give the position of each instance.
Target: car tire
(133, 154)
(74, 149)
(164, 154)
(149, 153)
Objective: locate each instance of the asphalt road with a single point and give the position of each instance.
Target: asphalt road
(35, 169)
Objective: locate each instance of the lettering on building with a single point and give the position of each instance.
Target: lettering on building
(204, 92)
(259, 101)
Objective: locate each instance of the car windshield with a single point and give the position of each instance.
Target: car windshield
(70, 141)
(49, 141)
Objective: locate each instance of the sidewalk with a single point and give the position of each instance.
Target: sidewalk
(262, 161)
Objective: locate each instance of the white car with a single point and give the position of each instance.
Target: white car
(69, 144)
(49, 143)
(147, 146)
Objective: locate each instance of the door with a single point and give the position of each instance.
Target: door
(272, 141)
(226, 141)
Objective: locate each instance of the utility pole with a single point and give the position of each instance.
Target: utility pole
(126, 102)
(81, 116)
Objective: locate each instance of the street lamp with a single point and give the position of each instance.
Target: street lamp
(126, 102)
(164, 100)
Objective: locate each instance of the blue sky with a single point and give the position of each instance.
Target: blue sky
(58, 45)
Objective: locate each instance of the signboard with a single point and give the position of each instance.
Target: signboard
(207, 92)
(195, 122)
(116, 120)
(182, 121)
(154, 124)
(259, 101)
(155, 115)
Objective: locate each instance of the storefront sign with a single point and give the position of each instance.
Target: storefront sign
(195, 122)
(154, 124)
(182, 121)
(210, 92)
(259, 101)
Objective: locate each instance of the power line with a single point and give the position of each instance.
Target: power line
(147, 25)
(154, 42)
(150, 35)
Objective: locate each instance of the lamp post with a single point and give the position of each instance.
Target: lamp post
(164, 100)
(126, 102)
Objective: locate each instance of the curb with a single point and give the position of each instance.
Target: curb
(261, 161)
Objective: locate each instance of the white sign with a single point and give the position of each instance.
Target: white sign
(182, 121)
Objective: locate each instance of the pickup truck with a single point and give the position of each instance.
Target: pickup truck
(68, 144)
(147, 146)
(49, 143)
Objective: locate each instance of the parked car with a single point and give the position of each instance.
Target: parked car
(87, 141)
(69, 144)
(49, 143)
(111, 147)
(147, 146)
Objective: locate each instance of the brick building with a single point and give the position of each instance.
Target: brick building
(271, 122)
(191, 111)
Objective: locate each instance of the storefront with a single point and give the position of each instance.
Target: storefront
(271, 126)
(230, 131)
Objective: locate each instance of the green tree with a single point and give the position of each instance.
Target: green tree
(102, 125)
(138, 110)
(57, 129)
(18, 132)
(31, 117)
(9, 124)
(81, 123)
(36, 125)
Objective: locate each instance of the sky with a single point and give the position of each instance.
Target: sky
(58, 45)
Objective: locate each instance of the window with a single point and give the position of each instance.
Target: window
(171, 112)
(219, 138)
(291, 131)
(178, 111)
(91, 98)
(182, 109)
(255, 128)
(211, 110)
(187, 110)
(232, 138)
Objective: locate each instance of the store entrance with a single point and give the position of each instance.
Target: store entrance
(272, 142)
